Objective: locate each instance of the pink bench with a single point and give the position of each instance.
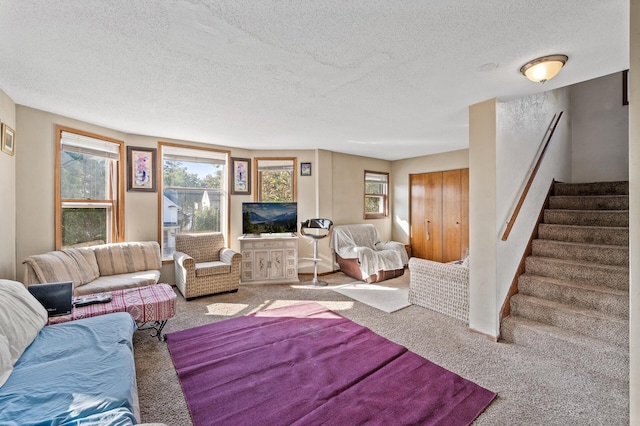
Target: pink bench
(150, 307)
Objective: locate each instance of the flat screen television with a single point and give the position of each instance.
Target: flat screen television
(269, 218)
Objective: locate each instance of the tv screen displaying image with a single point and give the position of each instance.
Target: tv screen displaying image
(269, 218)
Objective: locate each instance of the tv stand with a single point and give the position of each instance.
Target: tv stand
(269, 259)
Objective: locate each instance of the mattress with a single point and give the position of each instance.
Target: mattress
(79, 372)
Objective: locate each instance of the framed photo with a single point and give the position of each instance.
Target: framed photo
(625, 87)
(240, 176)
(141, 169)
(8, 139)
(305, 169)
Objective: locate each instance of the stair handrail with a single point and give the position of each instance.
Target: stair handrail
(532, 175)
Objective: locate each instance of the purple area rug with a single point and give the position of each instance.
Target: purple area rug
(306, 365)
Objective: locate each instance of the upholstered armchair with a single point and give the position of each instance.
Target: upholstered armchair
(362, 255)
(203, 265)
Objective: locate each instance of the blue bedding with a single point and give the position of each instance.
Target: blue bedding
(80, 372)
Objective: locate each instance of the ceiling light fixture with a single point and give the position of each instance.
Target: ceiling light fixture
(543, 69)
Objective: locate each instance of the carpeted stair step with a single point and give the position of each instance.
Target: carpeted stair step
(612, 276)
(605, 254)
(552, 342)
(585, 234)
(584, 321)
(591, 202)
(604, 299)
(587, 217)
(596, 188)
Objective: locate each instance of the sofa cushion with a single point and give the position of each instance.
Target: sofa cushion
(212, 268)
(119, 282)
(21, 318)
(55, 266)
(122, 258)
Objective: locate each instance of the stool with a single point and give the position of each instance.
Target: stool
(322, 229)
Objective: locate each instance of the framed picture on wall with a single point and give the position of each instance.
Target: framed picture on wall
(305, 169)
(8, 139)
(141, 169)
(240, 176)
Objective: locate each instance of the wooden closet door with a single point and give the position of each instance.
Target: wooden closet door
(451, 215)
(426, 216)
(464, 212)
(417, 230)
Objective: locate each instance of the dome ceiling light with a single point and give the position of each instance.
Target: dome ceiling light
(542, 69)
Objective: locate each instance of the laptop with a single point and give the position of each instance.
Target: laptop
(57, 298)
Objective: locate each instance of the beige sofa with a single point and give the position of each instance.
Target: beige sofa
(99, 268)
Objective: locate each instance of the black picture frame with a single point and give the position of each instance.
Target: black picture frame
(240, 171)
(625, 87)
(141, 169)
(305, 169)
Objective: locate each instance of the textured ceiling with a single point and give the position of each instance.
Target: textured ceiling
(385, 79)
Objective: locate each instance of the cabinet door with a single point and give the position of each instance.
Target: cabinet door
(260, 265)
(276, 264)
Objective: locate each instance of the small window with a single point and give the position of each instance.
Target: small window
(275, 179)
(194, 193)
(89, 189)
(376, 191)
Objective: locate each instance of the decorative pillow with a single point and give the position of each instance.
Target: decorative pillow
(21, 318)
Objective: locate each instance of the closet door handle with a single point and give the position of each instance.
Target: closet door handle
(428, 230)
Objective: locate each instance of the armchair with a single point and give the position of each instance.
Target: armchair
(203, 265)
(362, 255)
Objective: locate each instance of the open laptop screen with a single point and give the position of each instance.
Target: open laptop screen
(57, 298)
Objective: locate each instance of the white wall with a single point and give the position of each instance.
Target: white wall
(8, 193)
(400, 171)
(521, 127)
(634, 214)
(504, 138)
(600, 125)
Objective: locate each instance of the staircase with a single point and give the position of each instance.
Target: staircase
(573, 299)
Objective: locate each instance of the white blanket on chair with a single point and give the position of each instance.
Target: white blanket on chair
(362, 242)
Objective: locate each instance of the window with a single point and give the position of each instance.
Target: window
(89, 188)
(376, 195)
(194, 193)
(275, 179)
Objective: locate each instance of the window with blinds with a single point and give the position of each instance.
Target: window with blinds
(88, 189)
(194, 193)
(376, 195)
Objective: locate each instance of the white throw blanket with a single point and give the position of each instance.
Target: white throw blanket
(362, 242)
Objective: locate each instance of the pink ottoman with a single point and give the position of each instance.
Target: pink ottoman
(150, 307)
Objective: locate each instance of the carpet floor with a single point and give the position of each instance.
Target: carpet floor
(532, 387)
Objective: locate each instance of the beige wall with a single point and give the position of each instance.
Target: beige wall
(400, 171)
(634, 213)
(8, 193)
(600, 137)
(483, 315)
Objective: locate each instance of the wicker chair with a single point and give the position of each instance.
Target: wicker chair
(204, 266)
(441, 287)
